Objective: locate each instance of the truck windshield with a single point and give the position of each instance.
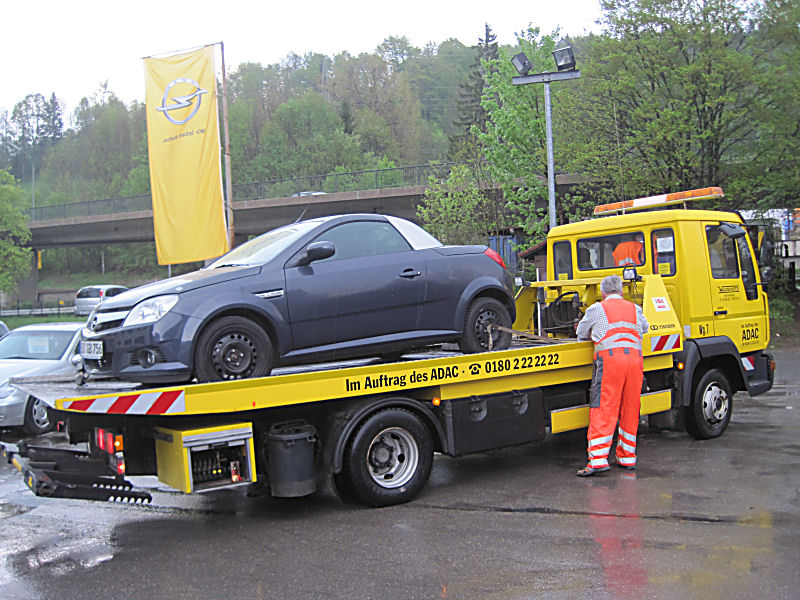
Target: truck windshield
(265, 247)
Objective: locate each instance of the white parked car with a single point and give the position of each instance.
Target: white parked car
(43, 349)
(90, 296)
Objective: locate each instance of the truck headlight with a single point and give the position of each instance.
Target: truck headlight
(6, 390)
(150, 310)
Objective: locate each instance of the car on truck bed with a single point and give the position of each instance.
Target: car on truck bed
(322, 289)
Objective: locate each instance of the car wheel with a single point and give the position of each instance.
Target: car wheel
(709, 412)
(482, 313)
(388, 460)
(232, 348)
(37, 417)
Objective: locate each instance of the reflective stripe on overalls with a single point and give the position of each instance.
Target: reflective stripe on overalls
(617, 386)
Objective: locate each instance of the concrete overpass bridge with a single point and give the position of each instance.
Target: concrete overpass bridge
(257, 207)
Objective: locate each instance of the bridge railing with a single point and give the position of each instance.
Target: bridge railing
(279, 188)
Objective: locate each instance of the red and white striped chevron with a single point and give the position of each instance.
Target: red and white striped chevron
(665, 342)
(749, 363)
(148, 403)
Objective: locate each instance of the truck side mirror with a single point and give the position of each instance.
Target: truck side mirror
(766, 275)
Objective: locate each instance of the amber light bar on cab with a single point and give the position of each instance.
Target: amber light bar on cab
(660, 200)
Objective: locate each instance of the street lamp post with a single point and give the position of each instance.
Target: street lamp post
(565, 62)
(33, 174)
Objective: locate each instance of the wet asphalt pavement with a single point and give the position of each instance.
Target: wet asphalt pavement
(711, 519)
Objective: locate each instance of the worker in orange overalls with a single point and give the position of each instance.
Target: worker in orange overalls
(629, 252)
(616, 326)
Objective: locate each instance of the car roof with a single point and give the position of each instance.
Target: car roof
(62, 326)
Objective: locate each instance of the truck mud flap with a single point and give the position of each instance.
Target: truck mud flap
(52, 473)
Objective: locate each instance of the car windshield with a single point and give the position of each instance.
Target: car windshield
(35, 345)
(265, 247)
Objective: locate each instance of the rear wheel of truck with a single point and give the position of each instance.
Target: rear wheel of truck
(709, 412)
(388, 459)
(232, 348)
(482, 314)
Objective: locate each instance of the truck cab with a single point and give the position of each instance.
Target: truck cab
(706, 263)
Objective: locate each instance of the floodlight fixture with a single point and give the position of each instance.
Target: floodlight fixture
(521, 63)
(565, 59)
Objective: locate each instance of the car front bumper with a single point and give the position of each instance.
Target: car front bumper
(12, 409)
(168, 340)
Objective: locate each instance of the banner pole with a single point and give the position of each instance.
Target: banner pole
(227, 150)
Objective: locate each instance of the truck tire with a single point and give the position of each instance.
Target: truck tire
(232, 348)
(37, 417)
(480, 313)
(709, 411)
(388, 459)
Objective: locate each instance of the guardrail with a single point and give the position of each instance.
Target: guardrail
(279, 188)
(38, 311)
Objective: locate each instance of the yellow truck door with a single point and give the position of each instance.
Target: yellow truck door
(738, 308)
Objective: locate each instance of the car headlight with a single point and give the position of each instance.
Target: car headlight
(150, 310)
(6, 390)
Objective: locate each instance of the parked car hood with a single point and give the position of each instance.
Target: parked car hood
(176, 285)
(25, 367)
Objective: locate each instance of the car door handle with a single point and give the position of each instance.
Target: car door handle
(410, 273)
(720, 312)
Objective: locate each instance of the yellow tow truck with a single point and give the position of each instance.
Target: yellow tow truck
(374, 426)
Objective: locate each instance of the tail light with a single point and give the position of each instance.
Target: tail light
(495, 257)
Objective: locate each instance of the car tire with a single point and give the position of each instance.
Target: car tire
(232, 348)
(480, 313)
(711, 406)
(37, 417)
(388, 460)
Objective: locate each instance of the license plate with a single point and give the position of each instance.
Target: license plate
(93, 350)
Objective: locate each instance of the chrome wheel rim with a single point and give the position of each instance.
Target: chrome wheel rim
(716, 403)
(39, 415)
(392, 458)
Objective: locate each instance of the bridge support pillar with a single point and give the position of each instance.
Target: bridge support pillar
(28, 288)
(239, 239)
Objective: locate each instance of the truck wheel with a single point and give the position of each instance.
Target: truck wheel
(388, 460)
(481, 313)
(37, 417)
(232, 348)
(711, 406)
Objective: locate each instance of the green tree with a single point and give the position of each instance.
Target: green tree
(473, 117)
(455, 210)
(513, 141)
(672, 97)
(15, 258)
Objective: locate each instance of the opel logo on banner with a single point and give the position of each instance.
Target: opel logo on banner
(188, 101)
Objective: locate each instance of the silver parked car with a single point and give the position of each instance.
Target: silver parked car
(43, 349)
(90, 296)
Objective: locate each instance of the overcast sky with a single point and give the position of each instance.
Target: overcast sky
(70, 48)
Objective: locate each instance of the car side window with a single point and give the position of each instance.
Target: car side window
(721, 253)
(562, 260)
(663, 241)
(748, 269)
(363, 238)
(609, 251)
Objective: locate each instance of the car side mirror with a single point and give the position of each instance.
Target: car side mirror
(766, 275)
(317, 251)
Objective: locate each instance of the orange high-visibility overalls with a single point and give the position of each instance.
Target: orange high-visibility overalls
(616, 386)
(628, 253)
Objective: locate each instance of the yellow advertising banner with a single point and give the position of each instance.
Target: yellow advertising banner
(185, 171)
